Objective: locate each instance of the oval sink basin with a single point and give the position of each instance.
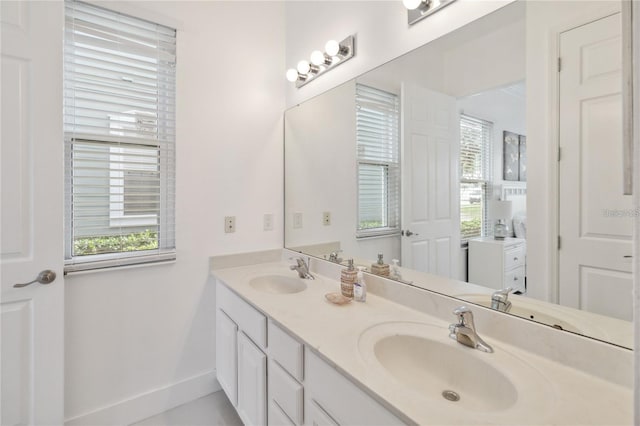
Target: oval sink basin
(278, 284)
(429, 367)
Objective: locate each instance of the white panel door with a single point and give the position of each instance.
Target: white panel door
(595, 217)
(430, 194)
(252, 382)
(31, 232)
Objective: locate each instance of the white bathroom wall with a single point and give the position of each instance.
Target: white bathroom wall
(381, 29)
(141, 340)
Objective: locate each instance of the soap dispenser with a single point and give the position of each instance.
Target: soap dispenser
(347, 278)
(360, 287)
(395, 270)
(380, 268)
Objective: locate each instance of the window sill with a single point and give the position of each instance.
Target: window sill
(378, 234)
(115, 262)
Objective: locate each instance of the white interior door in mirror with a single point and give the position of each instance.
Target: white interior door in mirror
(32, 198)
(595, 216)
(430, 201)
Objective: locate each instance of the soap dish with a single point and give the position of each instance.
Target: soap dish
(337, 298)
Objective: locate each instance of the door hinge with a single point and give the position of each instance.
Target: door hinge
(559, 242)
(559, 64)
(559, 153)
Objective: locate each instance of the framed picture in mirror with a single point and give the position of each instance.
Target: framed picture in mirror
(522, 163)
(511, 147)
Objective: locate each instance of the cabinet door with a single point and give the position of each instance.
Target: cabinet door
(252, 382)
(227, 355)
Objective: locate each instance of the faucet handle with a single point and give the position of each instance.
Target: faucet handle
(464, 315)
(501, 295)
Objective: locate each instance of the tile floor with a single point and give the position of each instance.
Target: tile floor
(211, 410)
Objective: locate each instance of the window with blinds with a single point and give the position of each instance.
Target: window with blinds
(378, 155)
(119, 122)
(475, 176)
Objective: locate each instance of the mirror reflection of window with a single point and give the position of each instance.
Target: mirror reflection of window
(475, 176)
(378, 156)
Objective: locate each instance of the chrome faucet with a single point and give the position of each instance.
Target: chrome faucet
(333, 256)
(499, 300)
(465, 330)
(302, 268)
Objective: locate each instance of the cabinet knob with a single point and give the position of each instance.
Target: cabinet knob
(515, 278)
(515, 259)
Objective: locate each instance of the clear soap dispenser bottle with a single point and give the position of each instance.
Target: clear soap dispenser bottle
(360, 287)
(395, 270)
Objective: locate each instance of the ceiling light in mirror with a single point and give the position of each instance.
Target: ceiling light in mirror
(412, 4)
(332, 48)
(292, 75)
(303, 67)
(319, 58)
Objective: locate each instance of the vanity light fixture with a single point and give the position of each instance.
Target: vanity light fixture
(334, 54)
(420, 9)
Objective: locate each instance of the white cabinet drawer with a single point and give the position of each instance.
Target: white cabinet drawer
(340, 399)
(249, 320)
(316, 416)
(514, 257)
(287, 351)
(515, 279)
(277, 417)
(286, 392)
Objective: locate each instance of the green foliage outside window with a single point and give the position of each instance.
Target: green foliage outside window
(146, 240)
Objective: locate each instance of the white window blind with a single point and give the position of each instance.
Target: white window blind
(475, 176)
(378, 145)
(119, 121)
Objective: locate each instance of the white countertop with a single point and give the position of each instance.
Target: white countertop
(556, 394)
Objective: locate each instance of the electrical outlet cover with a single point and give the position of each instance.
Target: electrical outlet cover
(229, 224)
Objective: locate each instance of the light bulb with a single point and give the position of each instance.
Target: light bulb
(317, 57)
(292, 75)
(411, 4)
(332, 48)
(303, 67)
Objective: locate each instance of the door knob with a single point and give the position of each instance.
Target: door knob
(45, 277)
(408, 233)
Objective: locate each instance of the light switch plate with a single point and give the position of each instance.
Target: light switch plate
(268, 222)
(297, 220)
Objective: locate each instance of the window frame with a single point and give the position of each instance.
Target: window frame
(391, 215)
(143, 116)
(486, 175)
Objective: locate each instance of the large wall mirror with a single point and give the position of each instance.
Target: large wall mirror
(424, 160)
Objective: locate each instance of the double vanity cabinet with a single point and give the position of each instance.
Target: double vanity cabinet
(287, 356)
(273, 379)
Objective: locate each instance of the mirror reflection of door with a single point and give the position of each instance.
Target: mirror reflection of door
(595, 217)
(430, 207)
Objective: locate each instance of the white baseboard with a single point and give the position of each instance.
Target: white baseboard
(150, 403)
